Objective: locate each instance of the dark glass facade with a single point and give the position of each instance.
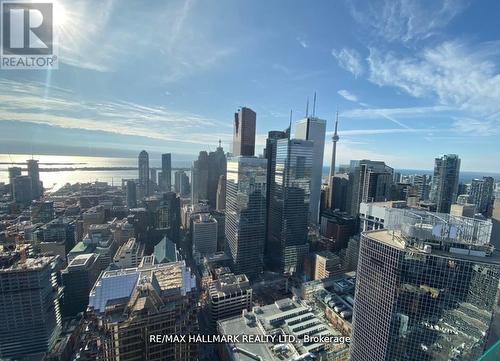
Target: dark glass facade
(418, 306)
(289, 204)
(445, 182)
(246, 213)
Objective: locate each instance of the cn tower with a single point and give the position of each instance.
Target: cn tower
(335, 139)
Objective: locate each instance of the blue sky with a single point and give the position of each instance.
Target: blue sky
(411, 79)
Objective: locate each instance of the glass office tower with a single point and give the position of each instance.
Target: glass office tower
(444, 188)
(246, 213)
(289, 204)
(314, 129)
(427, 289)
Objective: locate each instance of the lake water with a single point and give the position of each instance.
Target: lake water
(55, 180)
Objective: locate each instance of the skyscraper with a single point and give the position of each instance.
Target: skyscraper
(422, 185)
(131, 194)
(30, 307)
(289, 204)
(420, 295)
(335, 139)
(13, 173)
(165, 180)
(22, 191)
(153, 176)
(199, 179)
(481, 194)
(270, 154)
(314, 129)
(444, 188)
(246, 213)
(34, 174)
(221, 194)
(181, 183)
(168, 215)
(144, 173)
(369, 181)
(216, 168)
(244, 132)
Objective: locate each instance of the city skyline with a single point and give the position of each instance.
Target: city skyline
(386, 78)
(230, 181)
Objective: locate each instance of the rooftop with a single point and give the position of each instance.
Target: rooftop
(82, 259)
(229, 283)
(30, 264)
(284, 317)
(482, 254)
(166, 251)
(114, 288)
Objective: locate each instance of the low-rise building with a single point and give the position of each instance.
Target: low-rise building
(300, 334)
(129, 254)
(229, 295)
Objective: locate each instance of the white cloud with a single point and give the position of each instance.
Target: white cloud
(356, 132)
(167, 37)
(453, 74)
(26, 102)
(302, 42)
(350, 60)
(347, 95)
(405, 20)
(375, 113)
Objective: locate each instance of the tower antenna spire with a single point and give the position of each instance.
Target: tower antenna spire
(290, 125)
(314, 105)
(307, 107)
(335, 139)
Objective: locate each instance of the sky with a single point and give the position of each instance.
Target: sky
(411, 80)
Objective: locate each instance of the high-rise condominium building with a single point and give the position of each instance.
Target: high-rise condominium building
(369, 181)
(444, 188)
(131, 194)
(144, 173)
(426, 288)
(244, 132)
(182, 183)
(199, 179)
(216, 168)
(30, 307)
(127, 306)
(422, 184)
(168, 215)
(153, 176)
(22, 190)
(314, 129)
(481, 194)
(246, 213)
(289, 204)
(13, 173)
(34, 174)
(165, 179)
